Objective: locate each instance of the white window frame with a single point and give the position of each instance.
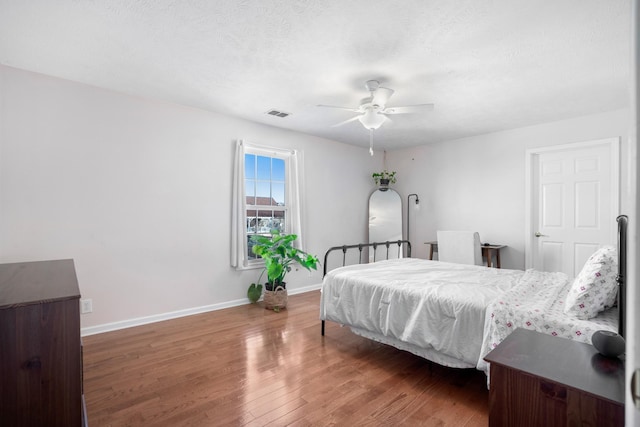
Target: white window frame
(284, 208)
(239, 240)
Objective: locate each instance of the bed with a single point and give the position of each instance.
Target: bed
(452, 314)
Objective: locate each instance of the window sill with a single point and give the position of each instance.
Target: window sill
(252, 266)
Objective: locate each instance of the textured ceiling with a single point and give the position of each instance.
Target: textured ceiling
(487, 65)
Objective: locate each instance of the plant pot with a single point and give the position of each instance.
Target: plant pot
(384, 184)
(275, 299)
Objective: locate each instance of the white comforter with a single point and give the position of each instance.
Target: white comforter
(428, 304)
(453, 314)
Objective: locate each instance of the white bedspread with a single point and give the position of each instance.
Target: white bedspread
(429, 304)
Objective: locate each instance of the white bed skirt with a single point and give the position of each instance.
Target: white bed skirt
(427, 353)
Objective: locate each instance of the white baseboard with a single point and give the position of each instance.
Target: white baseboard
(305, 289)
(139, 321)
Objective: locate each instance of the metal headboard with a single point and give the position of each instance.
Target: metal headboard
(361, 246)
(622, 271)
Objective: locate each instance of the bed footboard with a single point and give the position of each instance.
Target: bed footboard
(360, 246)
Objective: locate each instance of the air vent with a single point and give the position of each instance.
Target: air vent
(278, 113)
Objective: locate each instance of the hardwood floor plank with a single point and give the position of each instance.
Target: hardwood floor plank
(248, 366)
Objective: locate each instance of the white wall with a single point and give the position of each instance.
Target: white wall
(478, 183)
(138, 193)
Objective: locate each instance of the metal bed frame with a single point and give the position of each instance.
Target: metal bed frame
(622, 221)
(360, 247)
(622, 271)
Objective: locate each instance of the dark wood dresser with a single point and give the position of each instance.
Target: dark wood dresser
(540, 380)
(40, 348)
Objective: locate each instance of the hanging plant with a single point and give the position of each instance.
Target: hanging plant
(384, 178)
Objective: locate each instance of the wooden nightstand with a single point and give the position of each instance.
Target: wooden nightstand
(540, 380)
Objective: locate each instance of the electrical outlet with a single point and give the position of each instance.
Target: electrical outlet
(86, 306)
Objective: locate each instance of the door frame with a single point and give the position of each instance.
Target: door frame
(614, 147)
(632, 415)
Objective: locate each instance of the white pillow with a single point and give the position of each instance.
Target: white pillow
(595, 289)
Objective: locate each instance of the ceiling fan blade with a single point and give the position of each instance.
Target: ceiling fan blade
(355, 110)
(408, 109)
(381, 96)
(352, 119)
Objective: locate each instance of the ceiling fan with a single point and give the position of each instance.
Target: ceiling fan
(373, 110)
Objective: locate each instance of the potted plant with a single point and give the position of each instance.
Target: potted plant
(278, 254)
(384, 178)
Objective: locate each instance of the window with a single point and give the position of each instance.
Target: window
(266, 197)
(265, 193)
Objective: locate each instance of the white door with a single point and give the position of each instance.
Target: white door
(574, 203)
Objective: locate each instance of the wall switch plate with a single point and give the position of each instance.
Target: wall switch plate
(86, 306)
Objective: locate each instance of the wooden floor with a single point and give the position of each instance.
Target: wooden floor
(250, 366)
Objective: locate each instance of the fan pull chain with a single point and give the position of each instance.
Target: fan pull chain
(371, 142)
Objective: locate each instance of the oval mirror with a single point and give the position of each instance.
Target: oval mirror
(385, 222)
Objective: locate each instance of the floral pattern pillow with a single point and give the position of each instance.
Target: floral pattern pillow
(595, 288)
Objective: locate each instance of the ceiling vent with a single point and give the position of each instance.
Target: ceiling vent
(278, 113)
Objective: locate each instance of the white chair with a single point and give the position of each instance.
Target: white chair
(462, 247)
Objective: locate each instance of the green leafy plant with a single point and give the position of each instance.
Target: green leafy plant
(278, 254)
(254, 292)
(391, 176)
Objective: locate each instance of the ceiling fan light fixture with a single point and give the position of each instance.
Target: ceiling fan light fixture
(372, 85)
(371, 119)
(373, 111)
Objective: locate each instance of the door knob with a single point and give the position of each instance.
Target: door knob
(635, 388)
(539, 234)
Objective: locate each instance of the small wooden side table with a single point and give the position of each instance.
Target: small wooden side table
(487, 252)
(541, 380)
